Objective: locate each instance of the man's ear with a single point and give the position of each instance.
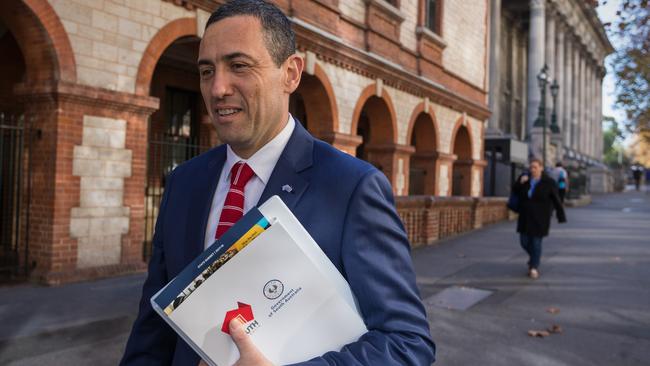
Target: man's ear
(293, 66)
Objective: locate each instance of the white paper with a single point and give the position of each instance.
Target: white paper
(312, 316)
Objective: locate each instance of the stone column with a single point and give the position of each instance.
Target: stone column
(560, 72)
(591, 110)
(445, 167)
(567, 92)
(550, 59)
(393, 160)
(495, 50)
(586, 106)
(523, 90)
(536, 37)
(593, 116)
(581, 102)
(575, 82)
(558, 138)
(515, 94)
(599, 126)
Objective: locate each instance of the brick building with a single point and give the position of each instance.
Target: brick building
(100, 100)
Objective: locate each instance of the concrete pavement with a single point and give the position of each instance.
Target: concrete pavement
(595, 271)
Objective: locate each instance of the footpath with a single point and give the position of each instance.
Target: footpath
(594, 288)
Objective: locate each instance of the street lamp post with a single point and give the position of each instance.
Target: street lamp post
(542, 80)
(554, 91)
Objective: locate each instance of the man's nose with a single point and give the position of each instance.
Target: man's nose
(221, 86)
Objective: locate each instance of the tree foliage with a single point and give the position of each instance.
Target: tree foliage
(631, 63)
(613, 150)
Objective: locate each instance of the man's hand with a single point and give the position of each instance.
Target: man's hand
(249, 355)
(523, 179)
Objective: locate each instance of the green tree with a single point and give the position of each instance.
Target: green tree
(631, 63)
(613, 150)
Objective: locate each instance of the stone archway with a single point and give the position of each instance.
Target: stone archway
(42, 40)
(181, 128)
(423, 136)
(167, 35)
(314, 105)
(462, 167)
(37, 59)
(375, 122)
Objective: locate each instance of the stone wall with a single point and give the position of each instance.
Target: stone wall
(101, 219)
(109, 37)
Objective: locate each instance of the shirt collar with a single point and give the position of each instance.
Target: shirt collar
(263, 160)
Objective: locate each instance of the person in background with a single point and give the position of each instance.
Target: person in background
(562, 179)
(538, 196)
(637, 172)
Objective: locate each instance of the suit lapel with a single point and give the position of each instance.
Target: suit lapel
(201, 196)
(286, 180)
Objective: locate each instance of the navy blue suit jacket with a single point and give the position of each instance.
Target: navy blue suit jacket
(346, 205)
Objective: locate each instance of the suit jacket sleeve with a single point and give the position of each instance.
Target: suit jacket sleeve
(378, 267)
(152, 341)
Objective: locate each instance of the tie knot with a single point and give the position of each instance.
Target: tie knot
(240, 174)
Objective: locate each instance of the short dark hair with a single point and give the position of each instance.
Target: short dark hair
(558, 164)
(538, 161)
(278, 36)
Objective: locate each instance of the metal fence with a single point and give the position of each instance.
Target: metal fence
(15, 180)
(164, 153)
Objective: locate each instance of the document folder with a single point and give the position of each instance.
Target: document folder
(268, 272)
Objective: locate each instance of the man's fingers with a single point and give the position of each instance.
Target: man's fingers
(242, 340)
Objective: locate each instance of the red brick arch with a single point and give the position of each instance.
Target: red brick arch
(42, 39)
(320, 102)
(419, 109)
(462, 167)
(164, 38)
(390, 132)
(459, 124)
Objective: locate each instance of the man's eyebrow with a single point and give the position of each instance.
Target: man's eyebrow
(234, 55)
(228, 57)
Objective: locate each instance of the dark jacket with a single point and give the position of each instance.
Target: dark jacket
(346, 205)
(535, 212)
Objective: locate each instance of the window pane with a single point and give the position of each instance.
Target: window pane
(431, 15)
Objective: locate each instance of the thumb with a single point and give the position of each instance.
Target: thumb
(242, 340)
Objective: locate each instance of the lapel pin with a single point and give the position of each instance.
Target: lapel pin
(287, 188)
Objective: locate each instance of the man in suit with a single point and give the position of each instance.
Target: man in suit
(248, 69)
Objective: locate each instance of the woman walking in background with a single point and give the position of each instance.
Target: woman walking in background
(537, 195)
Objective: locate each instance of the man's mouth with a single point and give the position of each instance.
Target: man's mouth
(225, 112)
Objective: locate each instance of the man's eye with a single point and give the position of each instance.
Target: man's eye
(205, 73)
(239, 66)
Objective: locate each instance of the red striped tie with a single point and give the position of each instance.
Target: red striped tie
(233, 206)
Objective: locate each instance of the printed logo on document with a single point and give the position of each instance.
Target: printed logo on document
(273, 289)
(244, 313)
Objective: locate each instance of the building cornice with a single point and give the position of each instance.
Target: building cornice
(334, 50)
(87, 95)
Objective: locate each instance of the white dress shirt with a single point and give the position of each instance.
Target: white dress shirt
(262, 162)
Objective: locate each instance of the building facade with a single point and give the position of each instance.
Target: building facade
(100, 99)
(567, 37)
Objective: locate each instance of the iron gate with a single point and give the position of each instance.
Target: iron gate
(163, 155)
(171, 142)
(15, 179)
